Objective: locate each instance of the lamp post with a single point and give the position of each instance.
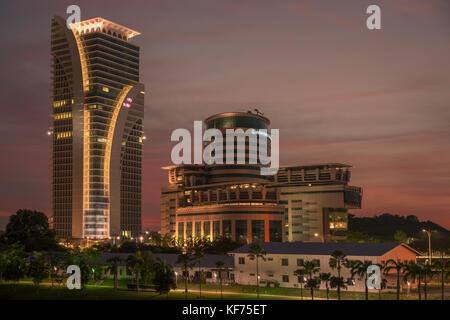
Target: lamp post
(319, 236)
(429, 231)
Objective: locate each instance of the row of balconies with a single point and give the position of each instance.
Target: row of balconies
(234, 193)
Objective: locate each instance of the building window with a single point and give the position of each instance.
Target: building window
(198, 229)
(351, 282)
(206, 229)
(285, 278)
(226, 229)
(241, 260)
(275, 231)
(317, 262)
(300, 262)
(284, 262)
(181, 230)
(241, 231)
(252, 274)
(188, 229)
(216, 229)
(258, 232)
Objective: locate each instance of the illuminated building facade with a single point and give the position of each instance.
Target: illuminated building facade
(226, 200)
(97, 129)
(235, 201)
(317, 198)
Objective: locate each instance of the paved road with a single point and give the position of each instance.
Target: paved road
(245, 293)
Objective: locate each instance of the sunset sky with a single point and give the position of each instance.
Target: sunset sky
(338, 92)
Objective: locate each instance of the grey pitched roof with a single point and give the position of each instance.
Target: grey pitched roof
(209, 260)
(313, 248)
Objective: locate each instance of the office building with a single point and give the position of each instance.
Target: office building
(283, 259)
(223, 200)
(237, 202)
(97, 129)
(317, 198)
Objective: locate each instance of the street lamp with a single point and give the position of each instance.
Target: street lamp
(429, 231)
(319, 236)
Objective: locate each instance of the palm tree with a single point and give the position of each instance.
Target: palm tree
(337, 282)
(147, 268)
(113, 267)
(134, 264)
(359, 268)
(310, 268)
(326, 277)
(391, 264)
(413, 271)
(219, 265)
(337, 261)
(185, 259)
(300, 273)
(383, 285)
(257, 252)
(426, 270)
(442, 268)
(199, 254)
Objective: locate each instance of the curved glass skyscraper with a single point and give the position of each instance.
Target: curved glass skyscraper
(98, 111)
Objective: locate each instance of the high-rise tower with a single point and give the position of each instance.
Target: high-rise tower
(98, 111)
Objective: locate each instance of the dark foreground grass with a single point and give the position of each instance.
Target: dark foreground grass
(28, 291)
(104, 291)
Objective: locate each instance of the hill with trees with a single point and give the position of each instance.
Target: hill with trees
(388, 227)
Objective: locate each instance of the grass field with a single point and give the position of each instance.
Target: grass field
(104, 291)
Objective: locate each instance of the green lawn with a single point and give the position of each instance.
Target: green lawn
(103, 290)
(28, 291)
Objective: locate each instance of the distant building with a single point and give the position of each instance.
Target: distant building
(307, 203)
(317, 198)
(207, 266)
(282, 259)
(97, 129)
(227, 200)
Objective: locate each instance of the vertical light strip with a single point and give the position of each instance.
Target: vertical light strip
(109, 140)
(85, 80)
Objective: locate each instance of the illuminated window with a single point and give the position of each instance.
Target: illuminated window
(106, 89)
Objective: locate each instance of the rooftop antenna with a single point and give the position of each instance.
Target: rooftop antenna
(258, 112)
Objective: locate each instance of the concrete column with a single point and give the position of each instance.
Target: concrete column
(266, 230)
(249, 230)
(233, 230)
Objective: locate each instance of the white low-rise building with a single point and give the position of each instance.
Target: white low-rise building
(283, 259)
